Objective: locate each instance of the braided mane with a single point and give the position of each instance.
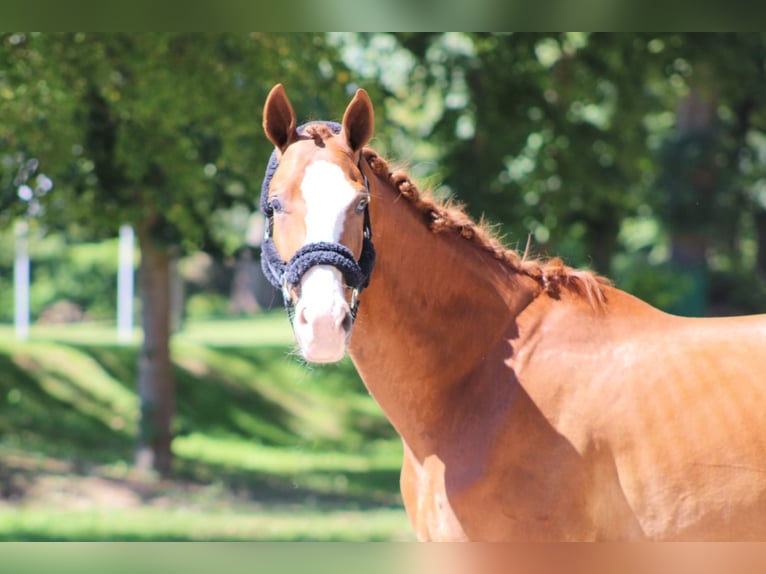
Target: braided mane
(443, 217)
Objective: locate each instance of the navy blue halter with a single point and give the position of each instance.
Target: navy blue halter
(286, 275)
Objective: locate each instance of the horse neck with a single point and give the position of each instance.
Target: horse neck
(435, 305)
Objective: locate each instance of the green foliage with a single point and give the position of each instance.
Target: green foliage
(206, 306)
(565, 136)
(84, 274)
(560, 135)
(546, 133)
(661, 286)
(80, 278)
(162, 129)
(72, 281)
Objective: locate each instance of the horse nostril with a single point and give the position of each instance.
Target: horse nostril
(347, 322)
(300, 317)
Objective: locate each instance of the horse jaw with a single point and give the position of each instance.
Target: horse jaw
(322, 324)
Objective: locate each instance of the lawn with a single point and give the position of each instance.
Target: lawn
(266, 448)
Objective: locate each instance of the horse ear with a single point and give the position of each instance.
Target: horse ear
(359, 120)
(279, 118)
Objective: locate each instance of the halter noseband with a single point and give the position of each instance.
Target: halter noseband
(287, 275)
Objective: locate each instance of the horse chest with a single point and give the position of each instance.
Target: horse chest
(425, 498)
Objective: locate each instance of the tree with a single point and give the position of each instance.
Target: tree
(550, 133)
(712, 166)
(572, 139)
(161, 131)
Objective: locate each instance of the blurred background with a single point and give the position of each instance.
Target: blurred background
(147, 386)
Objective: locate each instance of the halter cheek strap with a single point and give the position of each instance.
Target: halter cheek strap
(286, 276)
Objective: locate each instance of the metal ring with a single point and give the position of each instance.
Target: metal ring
(286, 295)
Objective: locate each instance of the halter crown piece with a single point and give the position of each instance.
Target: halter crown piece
(286, 275)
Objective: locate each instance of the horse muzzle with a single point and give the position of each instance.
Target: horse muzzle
(323, 317)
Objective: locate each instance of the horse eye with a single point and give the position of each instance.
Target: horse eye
(276, 205)
(362, 205)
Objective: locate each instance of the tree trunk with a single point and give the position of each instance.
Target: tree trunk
(155, 375)
(177, 294)
(242, 298)
(602, 242)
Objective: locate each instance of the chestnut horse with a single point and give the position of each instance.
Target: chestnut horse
(534, 401)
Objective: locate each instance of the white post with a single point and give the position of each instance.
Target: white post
(125, 286)
(21, 281)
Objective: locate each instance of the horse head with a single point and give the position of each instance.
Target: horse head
(318, 248)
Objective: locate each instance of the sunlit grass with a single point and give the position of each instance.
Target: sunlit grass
(271, 328)
(157, 524)
(266, 329)
(319, 470)
(79, 380)
(266, 448)
(378, 455)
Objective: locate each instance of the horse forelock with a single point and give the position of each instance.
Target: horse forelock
(320, 132)
(450, 217)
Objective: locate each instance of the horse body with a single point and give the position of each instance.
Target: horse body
(527, 416)
(537, 402)
(514, 431)
(666, 413)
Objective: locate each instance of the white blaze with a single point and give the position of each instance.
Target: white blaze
(322, 306)
(328, 195)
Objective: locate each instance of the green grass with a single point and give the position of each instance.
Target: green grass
(268, 329)
(151, 524)
(266, 448)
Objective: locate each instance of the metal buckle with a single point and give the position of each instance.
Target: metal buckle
(286, 295)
